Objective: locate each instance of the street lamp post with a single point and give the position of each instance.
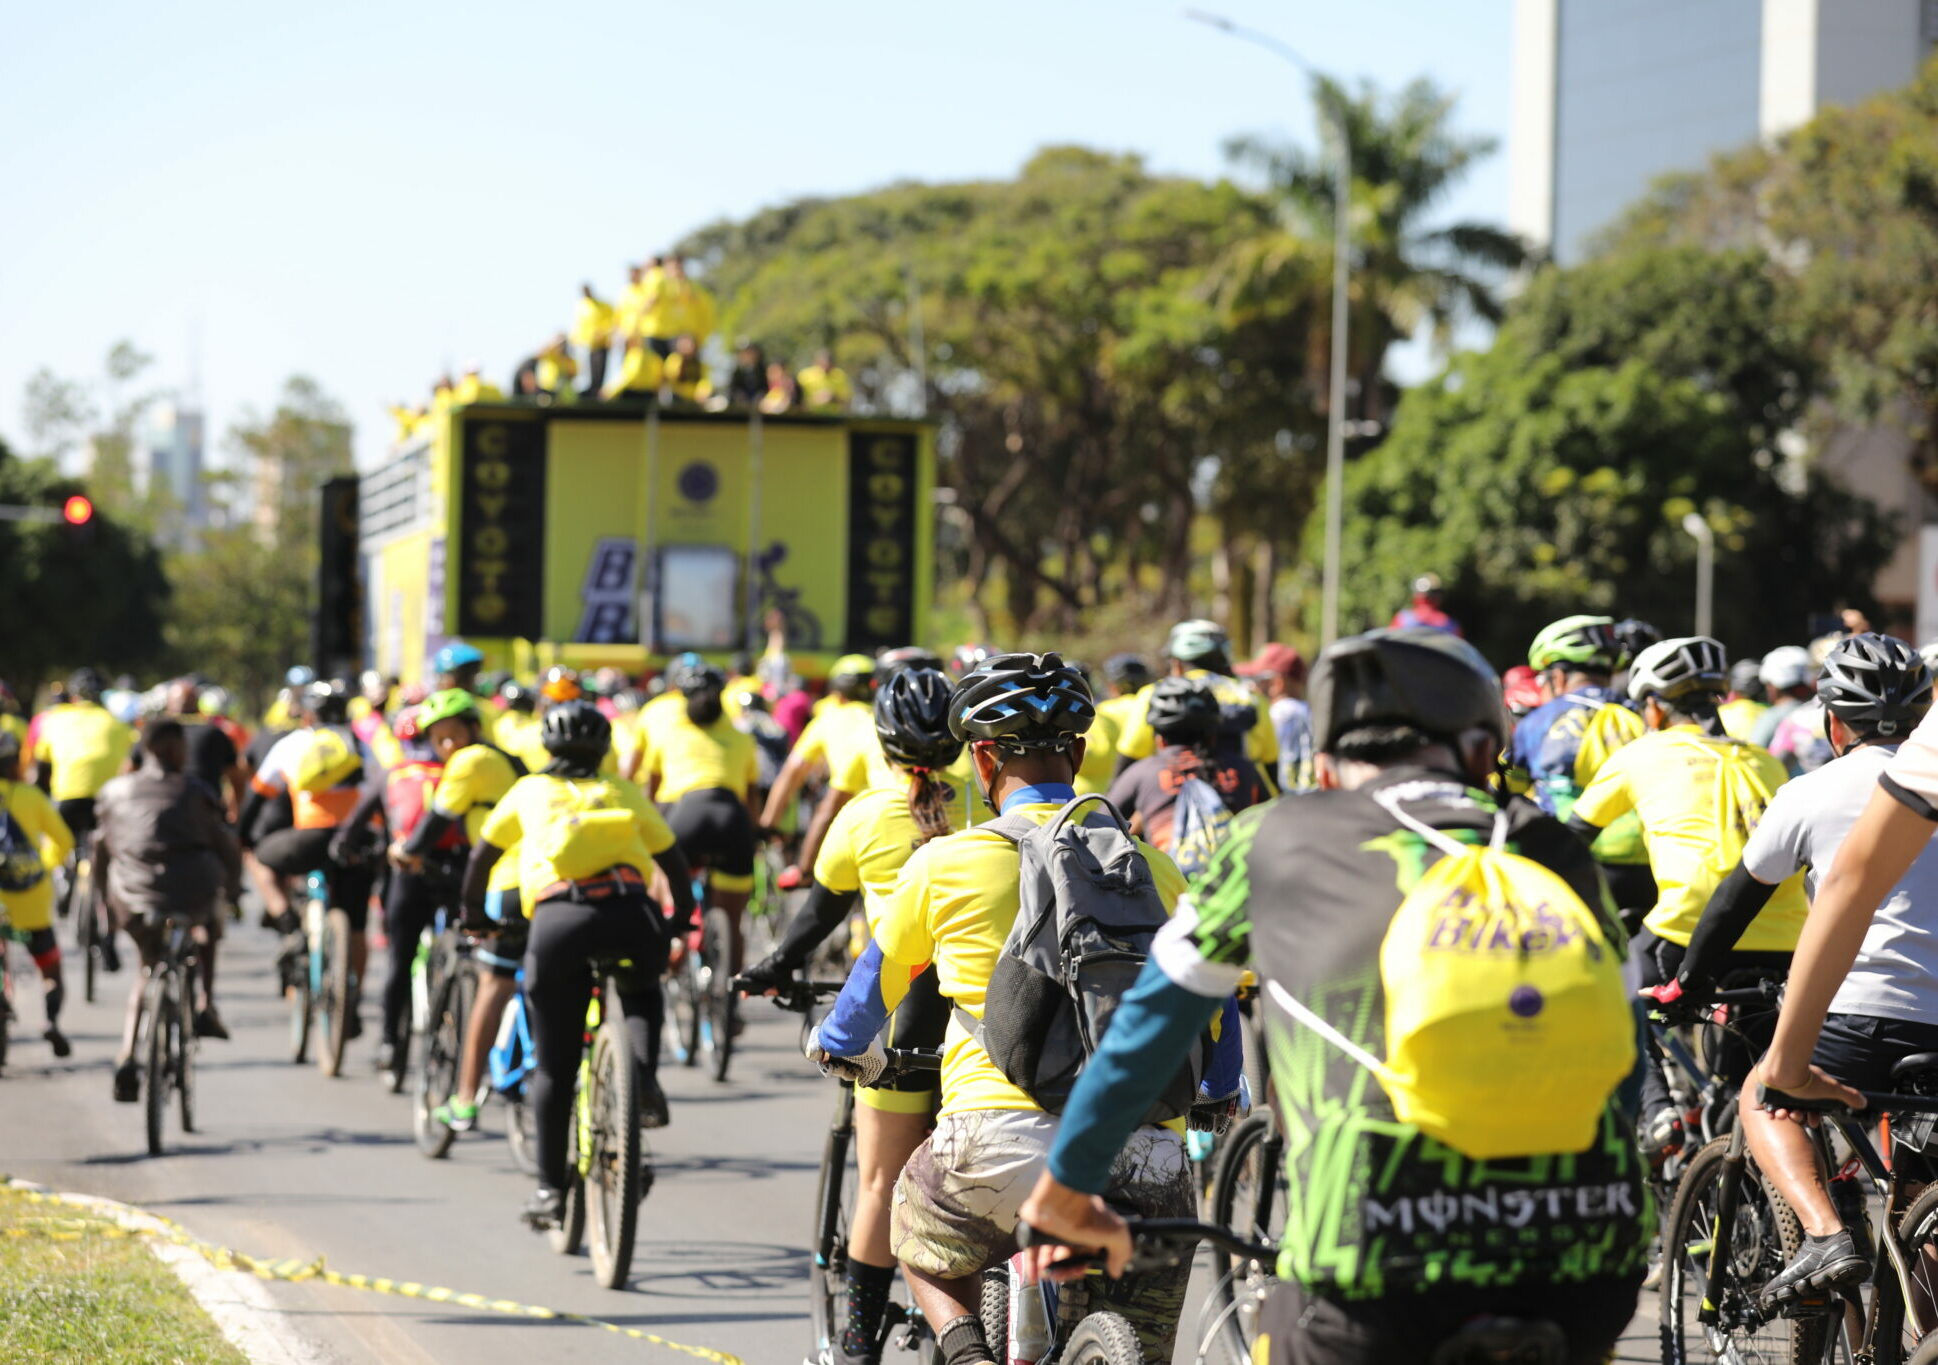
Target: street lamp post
(1705, 536)
(1341, 266)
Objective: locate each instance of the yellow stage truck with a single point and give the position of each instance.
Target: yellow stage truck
(602, 534)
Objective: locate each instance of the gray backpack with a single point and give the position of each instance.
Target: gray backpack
(1088, 914)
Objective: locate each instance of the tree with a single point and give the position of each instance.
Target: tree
(70, 596)
(100, 417)
(288, 455)
(1551, 474)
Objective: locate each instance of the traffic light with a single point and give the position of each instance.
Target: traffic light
(77, 511)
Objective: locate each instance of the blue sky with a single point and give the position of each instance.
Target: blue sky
(368, 193)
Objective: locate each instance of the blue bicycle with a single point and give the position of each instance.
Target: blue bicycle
(317, 979)
(510, 1062)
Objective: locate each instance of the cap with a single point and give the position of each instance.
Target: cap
(1275, 658)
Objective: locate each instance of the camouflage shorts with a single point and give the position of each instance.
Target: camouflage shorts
(955, 1209)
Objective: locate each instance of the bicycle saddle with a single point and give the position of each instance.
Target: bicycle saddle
(1918, 1066)
(1504, 1341)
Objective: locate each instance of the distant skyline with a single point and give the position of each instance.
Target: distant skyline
(368, 195)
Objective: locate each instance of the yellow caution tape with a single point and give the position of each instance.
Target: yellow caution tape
(299, 1271)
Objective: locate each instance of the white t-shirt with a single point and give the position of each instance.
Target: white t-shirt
(1292, 721)
(1896, 972)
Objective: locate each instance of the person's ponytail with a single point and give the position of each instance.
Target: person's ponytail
(928, 804)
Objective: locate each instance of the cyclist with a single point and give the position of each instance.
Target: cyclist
(1697, 793)
(1427, 608)
(1744, 705)
(12, 722)
(1303, 893)
(1184, 715)
(867, 846)
(163, 846)
(1100, 748)
(1279, 673)
(78, 745)
(582, 882)
(26, 888)
(1201, 649)
(518, 725)
(955, 1206)
(1786, 672)
(702, 771)
(841, 729)
(319, 768)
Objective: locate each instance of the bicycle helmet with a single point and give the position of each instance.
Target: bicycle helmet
(701, 677)
(1127, 671)
(912, 719)
(407, 726)
(1876, 685)
(1636, 635)
(1679, 668)
(1427, 583)
(908, 656)
(1429, 679)
(1184, 711)
(455, 657)
(966, 659)
(682, 667)
(84, 685)
(1022, 702)
(1521, 690)
(1785, 667)
(1745, 677)
(853, 677)
(518, 697)
(1586, 642)
(300, 676)
(1929, 653)
(576, 729)
(1193, 642)
(453, 703)
(328, 699)
(561, 684)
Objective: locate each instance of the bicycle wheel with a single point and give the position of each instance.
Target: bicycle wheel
(994, 1310)
(157, 1019)
(336, 992)
(1916, 1328)
(834, 1202)
(184, 993)
(302, 1008)
(612, 1179)
(523, 1137)
(1103, 1339)
(683, 995)
(6, 1002)
(720, 998)
(1761, 1239)
(1247, 1196)
(87, 930)
(437, 1078)
(568, 1238)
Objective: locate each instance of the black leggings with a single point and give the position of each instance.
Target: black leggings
(565, 936)
(410, 905)
(299, 852)
(714, 831)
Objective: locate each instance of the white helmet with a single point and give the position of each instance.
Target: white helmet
(1675, 668)
(1787, 666)
(1929, 653)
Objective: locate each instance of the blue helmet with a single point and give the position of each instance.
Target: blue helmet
(456, 655)
(300, 676)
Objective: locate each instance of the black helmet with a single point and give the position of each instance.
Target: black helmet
(1128, 671)
(692, 678)
(1184, 711)
(328, 699)
(1022, 701)
(1635, 635)
(908, 656)
(518, 697)
(1875, 684)
(912, 719)
(1429, 679)
(85, 685)
(576, 729)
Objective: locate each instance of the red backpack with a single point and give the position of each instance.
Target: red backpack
(407, 798)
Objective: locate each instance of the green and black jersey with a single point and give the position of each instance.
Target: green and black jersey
(1303, 891)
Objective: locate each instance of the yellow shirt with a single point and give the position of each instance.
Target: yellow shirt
(472, 783)
(641, 371)
(35, 814)
(518, 735)
(682, 757)
(871, 838)
(1698, 798)
(1739, 717)
(837, 728)
(475, 389)
(686, 376)
(1261, 743)
(824, 390)
(633, 296)
(952, 907)
(592, 323)
(1100, 753)
(556, 373)
(535, 803)
(84, 744)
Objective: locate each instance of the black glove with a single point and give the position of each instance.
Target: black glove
(473, 920)
(768, 974)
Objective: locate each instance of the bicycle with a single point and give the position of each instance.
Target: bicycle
(703, 1003)
(166, 1031)
(318, 980)
(453, 989)
(1248, 1195)
(90, 933)
(766, 918)
(510, 1061)
(1729, 1231)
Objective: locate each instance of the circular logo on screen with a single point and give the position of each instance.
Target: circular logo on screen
(698, 482)
(1526, 1001)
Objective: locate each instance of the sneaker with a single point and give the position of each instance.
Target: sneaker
(353, 1027)
(208, 1024)
(653, 1112)
(544, 1209)
(456, 1115)
(127, 1082)
(1824, 1263)
(57, 1040)
(110, 955)
(844, 1356)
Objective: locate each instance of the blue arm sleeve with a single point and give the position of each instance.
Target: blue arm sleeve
(1150, 1035)
(859, 1012)
(1228, 1057)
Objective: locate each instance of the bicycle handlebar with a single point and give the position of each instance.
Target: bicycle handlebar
(1161, 1243)
(906, 1061)
(796, 996)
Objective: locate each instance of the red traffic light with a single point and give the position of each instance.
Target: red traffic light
(77, 510)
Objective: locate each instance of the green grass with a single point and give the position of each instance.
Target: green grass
(89, 1296)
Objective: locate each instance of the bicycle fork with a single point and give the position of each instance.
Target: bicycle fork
(1735, 1169)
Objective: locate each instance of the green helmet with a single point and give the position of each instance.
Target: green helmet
(1586, 641)
(454, 703)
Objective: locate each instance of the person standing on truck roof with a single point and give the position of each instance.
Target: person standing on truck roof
(592, 328)
(824, 384)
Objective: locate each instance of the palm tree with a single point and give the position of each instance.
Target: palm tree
(1405, 276)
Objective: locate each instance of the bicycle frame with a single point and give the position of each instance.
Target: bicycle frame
(511, 1057)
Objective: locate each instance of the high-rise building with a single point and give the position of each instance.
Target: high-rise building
(1610, 94)
(171, 461)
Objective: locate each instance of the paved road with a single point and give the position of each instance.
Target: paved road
(290, 1164)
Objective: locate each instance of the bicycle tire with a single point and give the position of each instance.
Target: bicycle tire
(1927, 1352)
(720, 1000)
(612, 1180)
(522, 1138)
(1916, 1229)
(1249, 1153)
(336, 992)
(567, 1238)
(6, 995)
(1765, 1235)
(683, 995)
(833, 1207)
(185, 1035)
(302, 1010)
(993, 1309)
(437, 1077)
(87, 931)
(1103, 1338)
(157, 1019)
